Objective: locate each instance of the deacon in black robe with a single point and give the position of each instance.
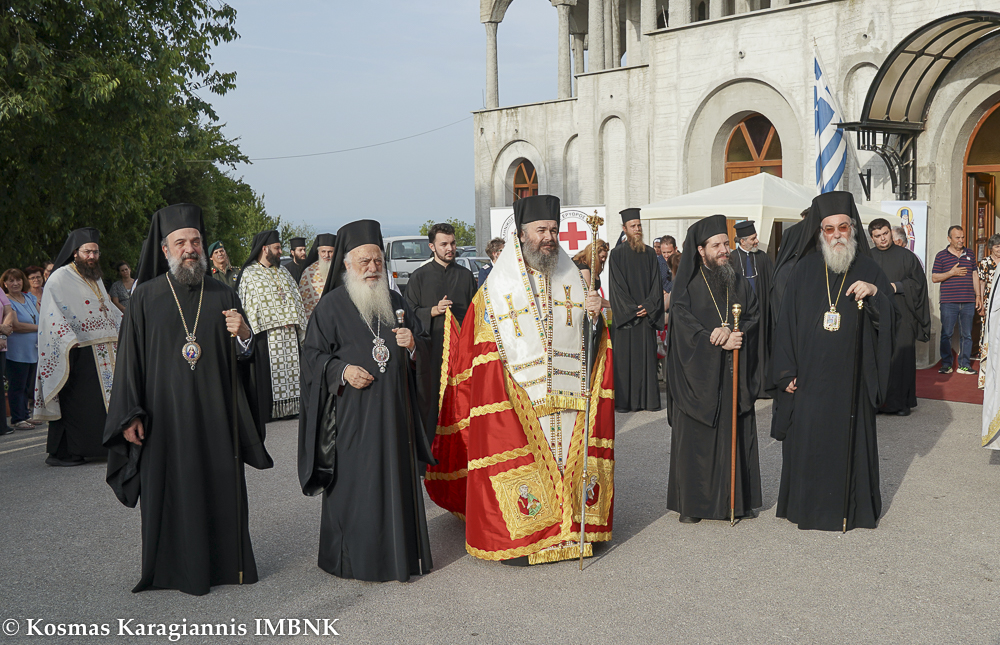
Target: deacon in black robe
(180, 461)
(439, 285)
(757, 267)
(637, 314)
(300, 259)
(909, 283)
(813, 374)
(359, 441)
(699, 368)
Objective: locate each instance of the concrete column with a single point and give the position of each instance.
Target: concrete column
(779, 3)
(743, 6)
(678, 13)
(595, 35)
(715, 9)
(492, 76)
(578, 47)
(609, 36)
(565, 78)
(647, 23)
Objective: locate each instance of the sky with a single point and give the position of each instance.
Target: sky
(319, 76)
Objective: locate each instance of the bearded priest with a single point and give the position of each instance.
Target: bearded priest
(317, 270)
(273, 306)
(360, 431)
(700, 343)
(510, 434)
(170, 424)
(77, 342)
(814, 374)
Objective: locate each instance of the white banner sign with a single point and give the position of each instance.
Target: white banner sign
(574, 232)
(913, 218)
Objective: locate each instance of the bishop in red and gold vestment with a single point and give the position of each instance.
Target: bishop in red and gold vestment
(510, 435)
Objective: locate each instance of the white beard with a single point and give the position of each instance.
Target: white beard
(839, 254)
(324, 268)
(371, 298)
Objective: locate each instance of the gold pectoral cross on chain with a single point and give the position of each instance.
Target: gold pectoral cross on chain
(512, 314)
(569, 304)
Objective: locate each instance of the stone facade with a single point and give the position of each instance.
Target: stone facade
(634, 134)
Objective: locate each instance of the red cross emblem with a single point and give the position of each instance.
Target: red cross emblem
(573, 237)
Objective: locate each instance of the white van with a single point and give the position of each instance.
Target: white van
(403, 255)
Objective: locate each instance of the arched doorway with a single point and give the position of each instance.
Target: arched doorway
(754, 147)
(981, 171)
(525, 180)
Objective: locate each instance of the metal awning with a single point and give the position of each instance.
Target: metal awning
(906, 82)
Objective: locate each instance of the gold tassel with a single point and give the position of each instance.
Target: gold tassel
(563, 553)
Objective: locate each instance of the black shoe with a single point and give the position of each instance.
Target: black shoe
(516, 562)
(6, 430)
(684, 519)
(905, 412)
(52, 460)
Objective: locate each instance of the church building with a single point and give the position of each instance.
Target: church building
(659, 98)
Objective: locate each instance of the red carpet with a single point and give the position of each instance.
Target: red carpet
(957, 387)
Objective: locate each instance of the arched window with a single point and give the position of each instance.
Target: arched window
(982, 168)
(525, 180)
(701, 11)
(754, 147)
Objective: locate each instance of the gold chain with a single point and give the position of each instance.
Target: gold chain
(189, 335)
(829, 297)
(104, 307)
(725, 321)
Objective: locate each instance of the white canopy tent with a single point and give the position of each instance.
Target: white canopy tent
(764, 199)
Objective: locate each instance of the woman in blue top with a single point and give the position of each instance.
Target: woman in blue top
(22, 350)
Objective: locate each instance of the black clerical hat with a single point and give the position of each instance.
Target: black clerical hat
(349, 237)
(629, 214)
(800, 240)
(296, 242)
(534, 209)
(745, 229)
(165, 221)
(323, 239)
(75, 240)
(690, 266)
(260, 240)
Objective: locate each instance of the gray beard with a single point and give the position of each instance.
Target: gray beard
(840, 256)
(324, 268)
(189, 276)
(539, 261)
(720, 278)
(90, 272)
(371, 299)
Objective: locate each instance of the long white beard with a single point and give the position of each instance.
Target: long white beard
(371, 298)
(188, 275)
(324, 268)
(839, 254)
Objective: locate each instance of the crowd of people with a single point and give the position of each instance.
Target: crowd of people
(496, 392)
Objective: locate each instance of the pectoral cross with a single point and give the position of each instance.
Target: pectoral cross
(512, 314)
(569, 304)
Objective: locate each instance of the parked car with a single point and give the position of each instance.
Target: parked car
(463, 251)
(403, 254)
(473, 264)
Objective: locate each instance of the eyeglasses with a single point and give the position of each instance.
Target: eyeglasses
(90, 254)
(842, 227)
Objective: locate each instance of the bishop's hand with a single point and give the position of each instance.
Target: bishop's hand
(404, 338)
(861, 290)
(792, 386)
(735, 341)
(358, 377)
(235, 324)
(594, 303)
(135, 433)
(720, 335)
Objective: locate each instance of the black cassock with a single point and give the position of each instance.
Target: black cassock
(426, 287)
(700, 405)
(81, 401)
(814, 422)
(354, 444)
(635, 282)
(758, 266)
(297, 269)
(903, 270)
(184, 473)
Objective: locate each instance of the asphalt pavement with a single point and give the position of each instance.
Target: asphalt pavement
(928, 574)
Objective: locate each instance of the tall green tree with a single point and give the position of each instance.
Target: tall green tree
(103, 108)
(465, 234)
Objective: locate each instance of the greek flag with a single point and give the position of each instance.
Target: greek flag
(831, 148)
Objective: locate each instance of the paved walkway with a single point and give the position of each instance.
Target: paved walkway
(929, 573)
